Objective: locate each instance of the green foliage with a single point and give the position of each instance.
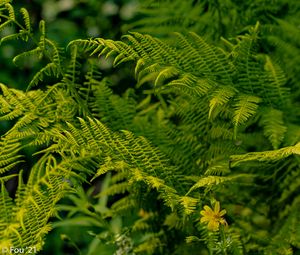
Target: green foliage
(132, 167)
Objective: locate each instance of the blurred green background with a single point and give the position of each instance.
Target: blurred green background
(65, 20)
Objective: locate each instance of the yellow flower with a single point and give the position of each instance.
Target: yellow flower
(213, 217)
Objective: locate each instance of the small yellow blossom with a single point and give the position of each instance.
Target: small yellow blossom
(213, 217)
(144, 214)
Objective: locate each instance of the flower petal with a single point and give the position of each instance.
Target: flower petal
(213, 225)
(206, 213)
(223, 212)
(223, 222)
(208, 209)
(204, 219)
(217, 207)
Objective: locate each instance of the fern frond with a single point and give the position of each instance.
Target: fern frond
(43, 190)
(290, 185)
(23, 31)
(141, 225)
(220, 97)
(273, 155)
(56, 54)
(118, 188)
(48, 70)
(51, 69)
(164, 74)
(3, 2)
(189, 204)
(124, 205)
(172, 221)
(150, 244)
(292, 135)
(156, 59)
(191, 85)
(249, 73)
(245, 107)
(216, 180)
(287, 235)
(26, 19)
(42, 28)
(217, 168)
(158, 19)
(11, 11)
(273, 124)
(192, 239)
(34, 52)
(10, 37)
(6, 208)
(3, 26)
(275, 80)
(146, 162)
(113, 110)
(215, 59)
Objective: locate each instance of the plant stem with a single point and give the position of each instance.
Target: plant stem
(223, 238)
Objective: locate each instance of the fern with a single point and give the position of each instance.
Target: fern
(208, 181)
(208, 126)
(267, 155)
(274, 129)
(245, 107)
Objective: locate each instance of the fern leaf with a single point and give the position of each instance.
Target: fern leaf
(274, 155)
(217, 168)
(42, 29)
(215, 59)
(220, 97)
(192, 239)
(26, 19)
(56, 56)
(292, 135)
(245, 107)
(6, 207)
(150, 245)
(273, 124)
(11, 11)
(216, 180)
(173, 221)
(48, 70)
(10, 38)
(125, 204)
(191, 85)
(288, 233)
(164, 74)
(119, 188)
(276, 80)
(189, 204)
(290, 185)
(35, 52)
(4, 25)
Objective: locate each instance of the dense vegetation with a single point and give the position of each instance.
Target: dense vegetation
(151, 127)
